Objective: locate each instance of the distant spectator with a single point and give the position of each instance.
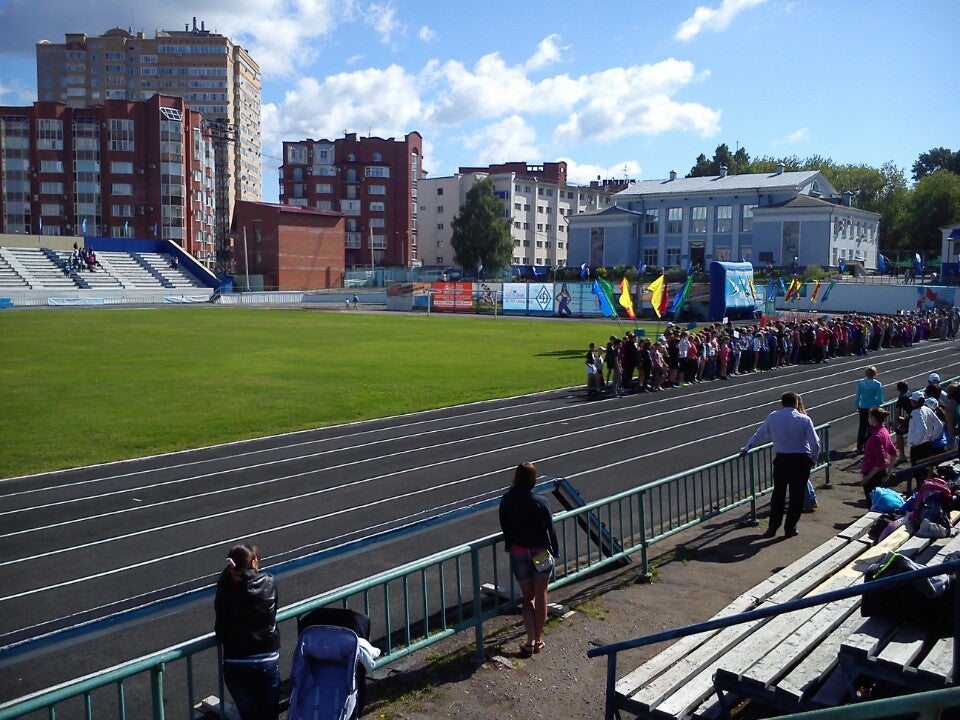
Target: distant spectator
(175, 263)
(356, 301)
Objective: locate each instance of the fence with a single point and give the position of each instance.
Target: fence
(423, 602)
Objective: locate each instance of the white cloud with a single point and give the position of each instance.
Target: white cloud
(382, 17)
(510, 139)
(427, 34)
(585, 173)
(713, 19)
(797, 136)
(380, 102)
(547, 52)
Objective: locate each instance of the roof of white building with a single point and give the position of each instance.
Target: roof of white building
(763, 182)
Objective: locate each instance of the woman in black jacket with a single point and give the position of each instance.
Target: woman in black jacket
(528, 536)
(246, 626)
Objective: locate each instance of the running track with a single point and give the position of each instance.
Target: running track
(85, 543)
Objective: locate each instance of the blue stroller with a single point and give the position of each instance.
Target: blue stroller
(327, 675)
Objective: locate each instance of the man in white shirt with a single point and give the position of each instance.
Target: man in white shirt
(924, 428)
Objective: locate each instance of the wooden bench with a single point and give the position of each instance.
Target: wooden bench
(901, 652)
(788, 661)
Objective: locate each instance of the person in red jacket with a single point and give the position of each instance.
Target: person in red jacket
(879, 453)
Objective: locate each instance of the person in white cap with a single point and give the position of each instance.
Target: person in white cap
(933, 386)
(925, 428)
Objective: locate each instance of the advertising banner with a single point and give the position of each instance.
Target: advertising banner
(453, 297)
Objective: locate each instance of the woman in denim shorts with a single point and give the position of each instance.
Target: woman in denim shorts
(527, 526)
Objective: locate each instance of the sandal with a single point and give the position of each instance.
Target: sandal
(528, 649)
(538, 646)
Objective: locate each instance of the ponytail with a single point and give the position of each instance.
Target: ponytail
(239, 559)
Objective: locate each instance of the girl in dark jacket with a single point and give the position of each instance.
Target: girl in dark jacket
(527, 526)
(246, 626)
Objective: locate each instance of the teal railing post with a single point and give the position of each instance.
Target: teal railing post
(750, 460)
(156, 690)
(479, 655)
(826, 454)
(644, 543)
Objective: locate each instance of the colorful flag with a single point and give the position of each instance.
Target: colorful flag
(816, 289)
(658, 295)
(792, 290)
(584, 273)
(841, 265)
(783, 288)
(753, 289)
(690, 267)
(640, 268)
(881, 264)
(918, 264)
(826, 293)
(772, 289)
(626, 302)
(83, 226)
(40, 225)
(603, 291)
(681, 296)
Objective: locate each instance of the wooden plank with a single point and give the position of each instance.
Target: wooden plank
(803, 679)
(938, 662)
(746, 601)
(903, 647)
(859, 528)
(690, 677)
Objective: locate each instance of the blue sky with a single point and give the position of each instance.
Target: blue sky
(637, 89)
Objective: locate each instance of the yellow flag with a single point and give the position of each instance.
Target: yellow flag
(658, 295)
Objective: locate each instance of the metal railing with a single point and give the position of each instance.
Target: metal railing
(420, 603)
(951, 567)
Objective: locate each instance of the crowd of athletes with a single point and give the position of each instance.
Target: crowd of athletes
(683, 356)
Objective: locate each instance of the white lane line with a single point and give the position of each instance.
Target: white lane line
(672, 447)
(380, 458)
(189, 498)
(349, 433)
(272, 463)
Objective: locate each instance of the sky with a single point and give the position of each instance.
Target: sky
(616, 90)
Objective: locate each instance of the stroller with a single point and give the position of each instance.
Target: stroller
(329, 679)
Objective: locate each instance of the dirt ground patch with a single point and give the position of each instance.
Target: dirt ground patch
(697, 573)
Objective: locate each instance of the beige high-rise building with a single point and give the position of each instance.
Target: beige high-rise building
(212, 74)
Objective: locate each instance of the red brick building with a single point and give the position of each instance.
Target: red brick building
(120, 169)
(372, 181)
(291, 247)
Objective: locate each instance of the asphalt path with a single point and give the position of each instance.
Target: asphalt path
(90, 542)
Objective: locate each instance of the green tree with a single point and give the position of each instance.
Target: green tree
(934, 202)
(481, 234)
(939, 158)
(736, 163)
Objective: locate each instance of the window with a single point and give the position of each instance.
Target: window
(323, 188)
(378, 207)
(517, 206)
(439, 191)
(698, 220)
(324, 204)
(674, 221)
(376, 189)
(51, 166)
(377, 222)
(51, 188)
(724, 219)
(650, 256)
(377, 157)
(651, 222)
(121, 210)
(439, 226)
(549, 192)
(539, 227)
(526, 207)
(746, 218)
(540, 209)
(673, 257)
(121, 135)
(540, 192)
(439, 259)
(376, 171)
(516, 224)
(439, 209)
(122, 189)
(49, 135)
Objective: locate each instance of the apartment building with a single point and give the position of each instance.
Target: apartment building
(374, 182)
(537, 198)
(121, 169)
(213, 75)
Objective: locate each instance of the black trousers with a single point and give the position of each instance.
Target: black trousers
(790, 472)
(862, 428)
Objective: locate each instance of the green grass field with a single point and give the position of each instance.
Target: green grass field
(90, 386)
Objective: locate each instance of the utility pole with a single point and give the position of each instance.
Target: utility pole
(222, 134)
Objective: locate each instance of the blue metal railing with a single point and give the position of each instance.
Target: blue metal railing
(420, 603)
(610, 651)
